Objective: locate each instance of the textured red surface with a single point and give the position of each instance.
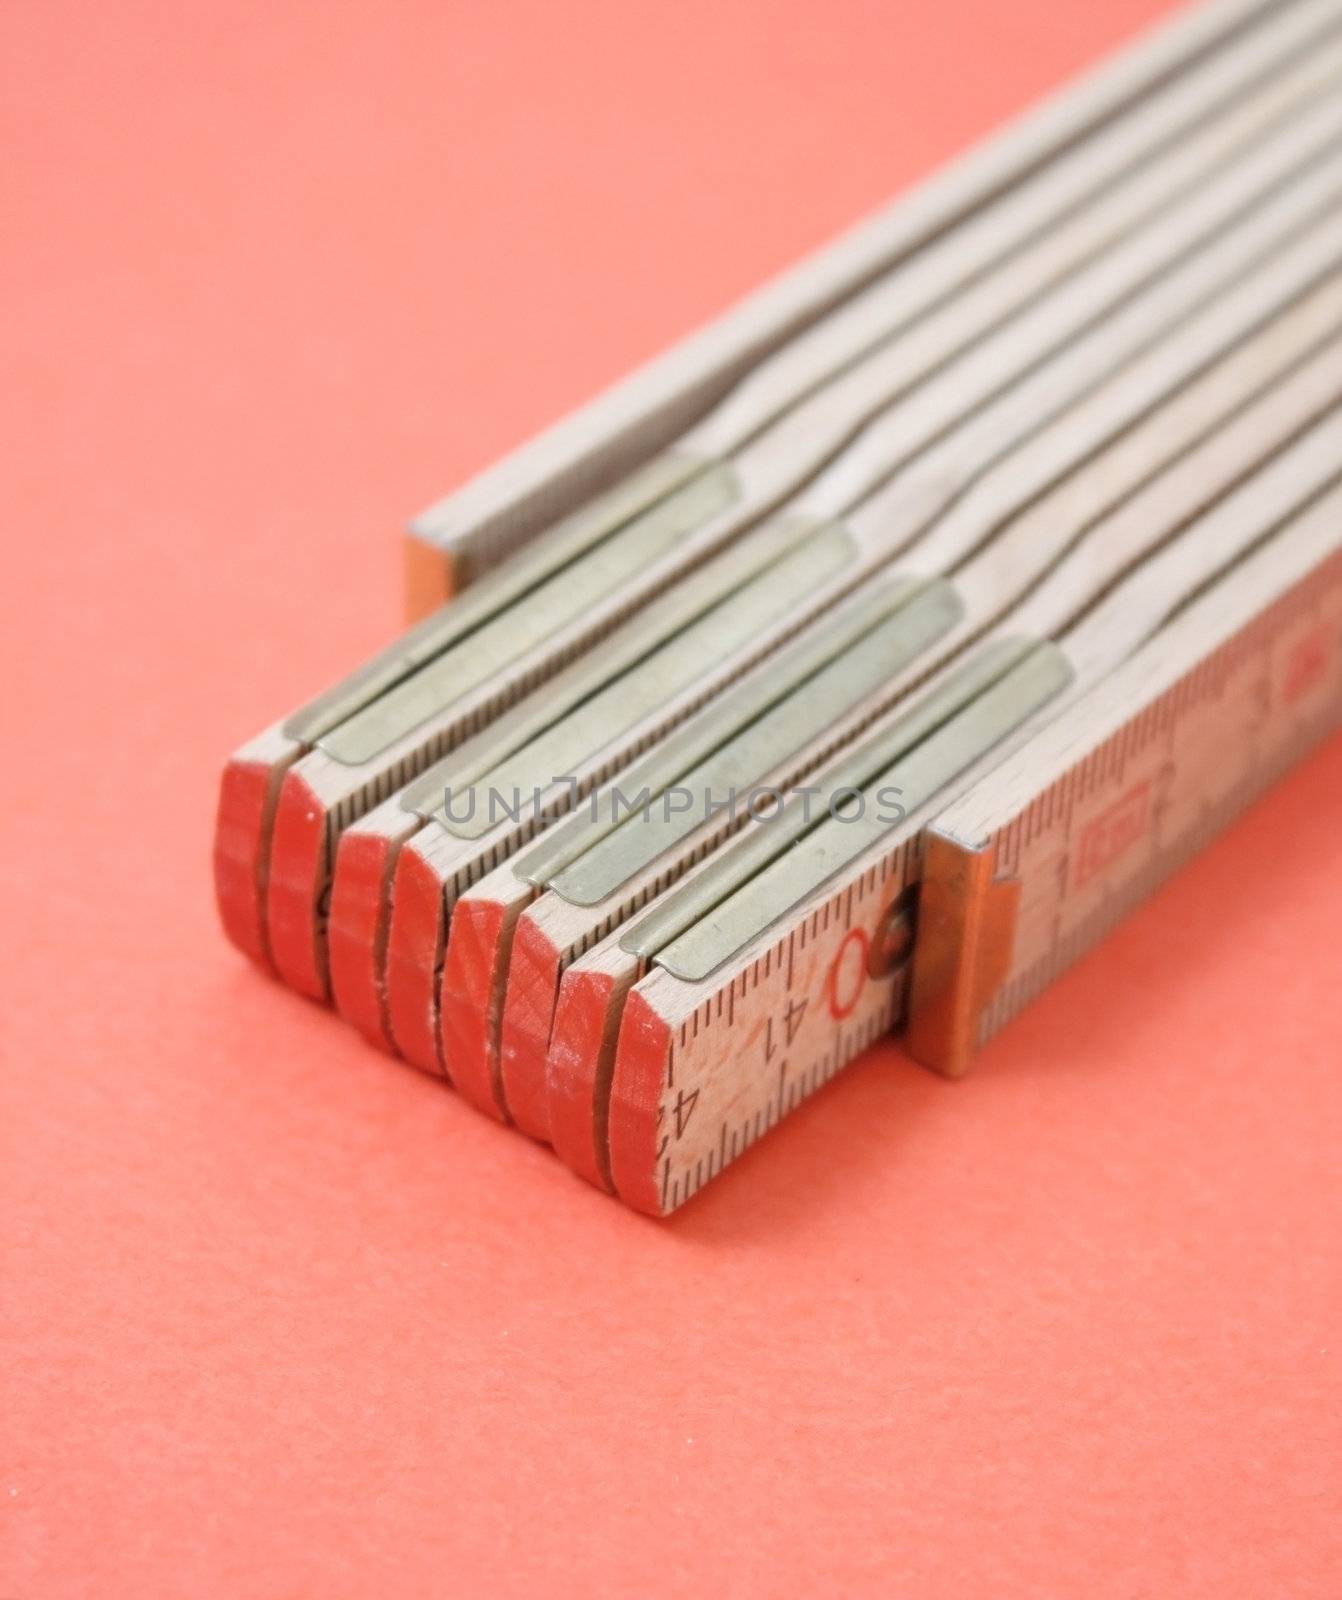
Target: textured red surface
(415, 932)
(474, 967)
(297, 865)
(244, 788)
(524, 1038)
(582, 1011)
(283, 1317)
(632, 1130)
(356, 932)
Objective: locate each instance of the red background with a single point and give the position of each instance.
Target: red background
(285, 1319)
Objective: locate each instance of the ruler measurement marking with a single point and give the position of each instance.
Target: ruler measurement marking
(1239, 667)
(1161, 746)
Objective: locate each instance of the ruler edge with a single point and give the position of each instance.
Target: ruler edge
(474, 528)
(963, 954)
(1318, 571)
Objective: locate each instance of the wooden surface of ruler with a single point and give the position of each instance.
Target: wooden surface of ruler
(1026, 375)
(1083, 822)
(1094, 368)
(1241, 685)
(1219, 130)
(470, 531)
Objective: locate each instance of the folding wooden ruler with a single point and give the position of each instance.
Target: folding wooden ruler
(952, 922)
(989, 527)
(469, 532)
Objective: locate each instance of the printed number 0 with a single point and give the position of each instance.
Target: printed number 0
(846, 977)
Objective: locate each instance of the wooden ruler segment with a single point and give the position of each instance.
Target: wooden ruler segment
(388, 940)
(616, 720)
(475, 528)
(813, 394)
(787, 1021)
(1035, 865)
(1024, 510)
(288, 793)
(403, 900)
(1111, 514)
(703, 1068)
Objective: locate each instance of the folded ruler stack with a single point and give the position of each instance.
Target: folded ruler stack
(856, 665)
